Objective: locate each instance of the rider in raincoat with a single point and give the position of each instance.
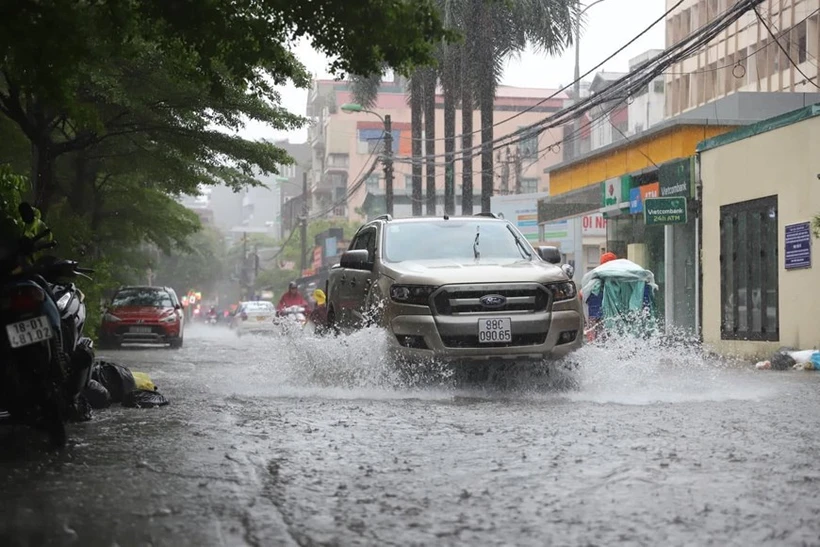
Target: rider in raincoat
(620, 296)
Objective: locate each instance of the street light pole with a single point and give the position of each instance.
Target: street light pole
(388, 164)
(387, 157)
(303, 225)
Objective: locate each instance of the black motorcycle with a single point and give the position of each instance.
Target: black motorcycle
(45, 361)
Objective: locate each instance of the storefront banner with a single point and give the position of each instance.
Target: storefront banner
(640, 194)
(675, 178)
(615, 191)
(593, 225)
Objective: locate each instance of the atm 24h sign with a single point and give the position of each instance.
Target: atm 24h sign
(657, 211)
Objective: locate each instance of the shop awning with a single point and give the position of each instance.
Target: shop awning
(569, 205)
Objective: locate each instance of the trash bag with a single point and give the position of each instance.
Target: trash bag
(142, 398)
(143, 381)
(117, 379)
(782, 359)
(97, 396)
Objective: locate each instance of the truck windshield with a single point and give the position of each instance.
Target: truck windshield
(454, 240)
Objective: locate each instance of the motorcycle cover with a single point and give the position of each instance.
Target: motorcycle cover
(624, 303)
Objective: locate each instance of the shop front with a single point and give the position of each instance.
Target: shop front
(652, 221)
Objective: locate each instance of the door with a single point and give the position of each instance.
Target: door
(359, 280)
(346, 280)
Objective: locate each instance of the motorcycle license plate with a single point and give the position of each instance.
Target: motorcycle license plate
(28, 332)
(494, 330)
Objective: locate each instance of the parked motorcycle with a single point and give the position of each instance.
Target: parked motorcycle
(45, 361)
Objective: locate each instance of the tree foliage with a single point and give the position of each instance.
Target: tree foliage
(119, 107)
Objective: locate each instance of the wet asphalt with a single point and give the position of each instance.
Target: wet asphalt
(294, 441)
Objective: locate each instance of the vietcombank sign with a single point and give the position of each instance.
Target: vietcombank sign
(664, 211)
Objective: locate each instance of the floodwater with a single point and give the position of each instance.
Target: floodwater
(303, 441)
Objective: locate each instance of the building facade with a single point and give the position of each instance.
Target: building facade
(745, 56)
(345, 145)
(760, 194)
(616, 180)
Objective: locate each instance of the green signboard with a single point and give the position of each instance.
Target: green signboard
(658, 211)
(676, 179)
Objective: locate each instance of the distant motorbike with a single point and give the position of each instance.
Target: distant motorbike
(45, 361)
(211, 319)
(292, 316)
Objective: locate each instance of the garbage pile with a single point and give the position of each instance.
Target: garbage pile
(790, 358)
(112, 383)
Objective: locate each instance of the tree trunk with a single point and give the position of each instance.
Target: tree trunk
(448, 83)
(486, 100)
(466, 135)
(430, 137)
(42, 176)
(416, 105)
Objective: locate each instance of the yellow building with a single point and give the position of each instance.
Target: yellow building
(615, 180)
(761, 189)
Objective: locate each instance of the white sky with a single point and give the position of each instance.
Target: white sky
(610, 25)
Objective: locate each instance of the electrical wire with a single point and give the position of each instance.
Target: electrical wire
(640, 76)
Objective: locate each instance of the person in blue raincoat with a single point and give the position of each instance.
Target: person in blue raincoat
(609, 294)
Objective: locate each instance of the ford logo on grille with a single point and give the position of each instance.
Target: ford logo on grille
(493, 300)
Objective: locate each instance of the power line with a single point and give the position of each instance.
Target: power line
(640, 76)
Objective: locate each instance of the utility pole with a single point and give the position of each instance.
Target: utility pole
(576, 137)
(303, 224)
(518, 169)
(388, 164)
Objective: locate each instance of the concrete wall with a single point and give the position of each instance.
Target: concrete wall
(783, 162)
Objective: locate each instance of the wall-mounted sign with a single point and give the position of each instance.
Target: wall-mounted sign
(658, 211)
(798, 246)
(615, 191)
(676, 179)
(640, 194)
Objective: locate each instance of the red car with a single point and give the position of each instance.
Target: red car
(143, 315)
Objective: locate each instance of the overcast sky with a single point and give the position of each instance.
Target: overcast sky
(610, 25)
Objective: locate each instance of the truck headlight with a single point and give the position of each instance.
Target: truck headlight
(562, 291)
(418, 295)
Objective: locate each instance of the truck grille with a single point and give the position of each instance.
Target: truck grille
(466, 299)
(472, 341)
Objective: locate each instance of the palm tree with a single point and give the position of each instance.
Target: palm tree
(429, 80)
(503, 29)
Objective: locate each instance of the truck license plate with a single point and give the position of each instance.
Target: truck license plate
(495, 330)
(28, 332)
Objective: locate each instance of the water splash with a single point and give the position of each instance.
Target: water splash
(624, 370)
(660, 369)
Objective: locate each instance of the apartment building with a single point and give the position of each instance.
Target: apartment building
(344, 144)
(745, 56)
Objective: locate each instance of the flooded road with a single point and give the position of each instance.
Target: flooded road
(309, 442)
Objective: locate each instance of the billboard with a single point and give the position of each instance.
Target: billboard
(521, 210)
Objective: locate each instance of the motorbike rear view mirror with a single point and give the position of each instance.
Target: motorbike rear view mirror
(550, 254)
(356, 260)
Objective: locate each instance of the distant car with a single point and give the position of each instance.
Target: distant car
(151, 315)
(254, 316)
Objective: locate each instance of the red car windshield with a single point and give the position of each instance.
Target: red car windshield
(143, 298)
